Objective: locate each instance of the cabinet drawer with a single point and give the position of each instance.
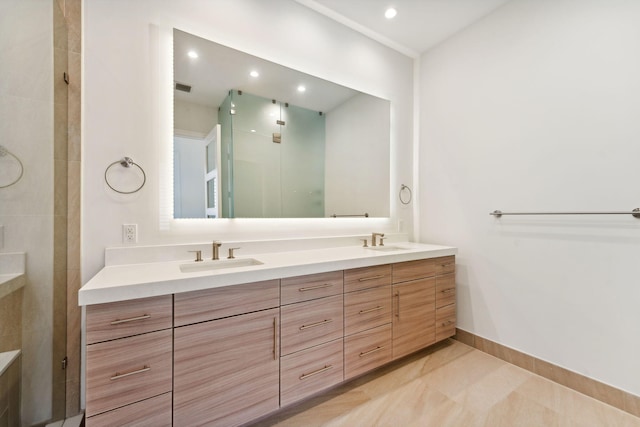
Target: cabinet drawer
(445, 264)
(367, 350)
(127, 370)
(125, 318)
(445, 322)
(367, 277)
(412, 270)
(307, 372)
(310, 323)
(367, 309)
(151, 412)
(445, 290)
(210, 304)
(305, 288)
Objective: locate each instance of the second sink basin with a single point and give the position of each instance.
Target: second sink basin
(192, 267)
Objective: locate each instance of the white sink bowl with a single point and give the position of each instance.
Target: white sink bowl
(222, 264)
(387, 248)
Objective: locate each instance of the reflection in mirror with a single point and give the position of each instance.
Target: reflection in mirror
(254, 139)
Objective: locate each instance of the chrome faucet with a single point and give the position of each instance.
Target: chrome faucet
(373, 238)
(216, 247)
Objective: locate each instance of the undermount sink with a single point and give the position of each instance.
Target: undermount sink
(222, 264)
(386, 248)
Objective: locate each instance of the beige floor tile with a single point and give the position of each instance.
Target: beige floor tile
(518, 411)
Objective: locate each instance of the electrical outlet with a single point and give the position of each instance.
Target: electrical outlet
(129, 233)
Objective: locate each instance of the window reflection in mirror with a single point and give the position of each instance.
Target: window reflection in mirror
(249, 144)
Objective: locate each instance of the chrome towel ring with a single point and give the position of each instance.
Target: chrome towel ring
(400, 194)
(126, 162)
(4, 152)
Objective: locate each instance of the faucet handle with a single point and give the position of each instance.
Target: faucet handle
(382, 241)
(231, 256)
(364, 243)
(198, 255)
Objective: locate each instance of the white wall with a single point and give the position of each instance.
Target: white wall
(357, 157)
(536, 108)
(127, 108)
(194, 118)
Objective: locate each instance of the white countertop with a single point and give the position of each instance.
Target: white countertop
(130, 281)
(12, 272)
(7, 358)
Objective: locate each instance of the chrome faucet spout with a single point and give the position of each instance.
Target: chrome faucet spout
(216, 250)
(373, 238)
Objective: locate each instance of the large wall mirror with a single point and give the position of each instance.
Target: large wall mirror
(255, 139)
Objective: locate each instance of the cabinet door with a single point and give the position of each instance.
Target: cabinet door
(226, 372)
(414, 309)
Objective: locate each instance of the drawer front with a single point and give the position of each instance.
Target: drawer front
(367, 309)
(367, 277)
(445, 290)
(310, 371)
(367, 350)
(445, 322)
(151, 412)
(125, 318)
(445, 264)
(313, 286)
(412, 270)
(310, 323)
(128, 370)
(210, 304)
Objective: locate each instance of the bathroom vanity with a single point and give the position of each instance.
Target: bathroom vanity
(192, 343)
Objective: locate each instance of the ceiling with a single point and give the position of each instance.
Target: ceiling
(418, 26)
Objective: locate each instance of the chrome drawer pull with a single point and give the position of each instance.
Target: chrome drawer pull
(313, 325)
(366, 353)
(397, 295)
(118, 375)
(447, 323)
(275, 338)
(447, 265)
(446, 291)
(311, 288)
(132, 319)
(319, 371)
(364, 279)
(369, 310)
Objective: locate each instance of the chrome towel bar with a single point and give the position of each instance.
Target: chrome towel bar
(635, 213)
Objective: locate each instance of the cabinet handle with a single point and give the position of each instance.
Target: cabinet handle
(366, 353)
(446, 291)
(275, 338)
(369, 310)
(447, 323)
(447, 265)
(311, 288)
(364, 279)
(131, 319)
(313, 325)
(397, 295)
(319, 371)
(118, 375)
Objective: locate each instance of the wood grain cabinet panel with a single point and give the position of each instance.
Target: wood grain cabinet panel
(127, 370)
(155, 412)
(310, 323)
(413, 316)
(226, 372)
(125, 318)
(445, 290)
(445, 264)
(210, 304)
(312, 286)
(367, 277)
(412, 270)
(367, 309)
(309, 371)
(367, 350)
(445, 322)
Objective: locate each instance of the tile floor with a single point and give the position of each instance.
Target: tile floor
(452, 384)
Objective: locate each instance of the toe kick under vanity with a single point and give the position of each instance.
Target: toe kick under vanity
(223, 347)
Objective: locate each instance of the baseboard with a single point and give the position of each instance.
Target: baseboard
(603, 392)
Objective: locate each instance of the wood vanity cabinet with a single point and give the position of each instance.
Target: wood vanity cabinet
(226, 366)
(129, 358)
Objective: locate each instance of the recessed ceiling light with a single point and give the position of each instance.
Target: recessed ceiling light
(193, 54)
(390, 13)
(301, 88)
(254, 73)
